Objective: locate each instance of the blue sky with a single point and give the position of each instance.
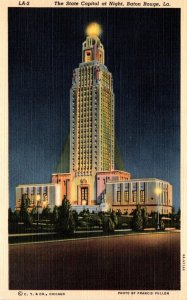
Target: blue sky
(142, 50)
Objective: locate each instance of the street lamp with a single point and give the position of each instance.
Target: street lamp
(158, 191)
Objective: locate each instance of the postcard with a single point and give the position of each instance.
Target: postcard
(93, 122)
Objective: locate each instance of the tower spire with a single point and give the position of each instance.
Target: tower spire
(92, 48)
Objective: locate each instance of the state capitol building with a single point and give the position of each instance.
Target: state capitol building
(92, 182)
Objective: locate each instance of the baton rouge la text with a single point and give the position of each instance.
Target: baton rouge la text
(151, 4)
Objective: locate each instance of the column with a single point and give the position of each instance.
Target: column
(29, 195)
(138, 192)
(48, 195)
(34, 192)
(130, 193)
(146, 193)
(68, 189)
(41, 194)
(122, 194)
(79, 194)
(89, 196)
(115, 193)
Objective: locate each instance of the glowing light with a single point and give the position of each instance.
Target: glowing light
(93, 29)
(38, 197)
(158, 191)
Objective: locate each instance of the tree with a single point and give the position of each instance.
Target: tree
(162, 225)
(46, 212)
(178, 219)
(108, 225)
(24, 215)
(65, 223)
(137, 221)
(16, 216)
(54, 215)
(114, 218)
(75, 218)
(95, 220)
(10, 216)
(178, 215)
(145, 217)
(119, 213)
(173, 210)
(172, 215)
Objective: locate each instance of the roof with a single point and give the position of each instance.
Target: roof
(138, 180)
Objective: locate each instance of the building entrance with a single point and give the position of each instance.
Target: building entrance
(84, 195)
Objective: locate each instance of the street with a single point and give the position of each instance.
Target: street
(144, 262)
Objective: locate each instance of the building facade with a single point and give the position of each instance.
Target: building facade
(150, 193)
(91, 113)
(91, 123)
(38, 195)
(92, 182)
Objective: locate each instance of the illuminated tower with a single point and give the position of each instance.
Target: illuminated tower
(92, 110)
(92, 182)
(91, 129)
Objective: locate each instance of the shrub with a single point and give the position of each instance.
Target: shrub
(137, 221)
(162, 225)
(108, 225)
(114, 218)
(65, 223)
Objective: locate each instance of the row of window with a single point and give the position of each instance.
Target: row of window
(85, 75)
(34, 190)
(86, 69)
(85, 173)
(134, 196)
(82, 120)
(84, 102)
(86, 83)
(84, 159)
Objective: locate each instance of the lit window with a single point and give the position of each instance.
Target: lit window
(118, 196)
(142, 196)
(126, 196)
(134, 196)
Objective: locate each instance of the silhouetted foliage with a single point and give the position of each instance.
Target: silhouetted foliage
(65, 223)
(45, 213)
(75, 218)
(178, 219)
(162, 225)
(119, 213)
(108, 225)
(145, 217)
(114, 218)
(140, 219)
(95, 220)
(10, 216)
(54, 215)
(137, 221)
(24, 215)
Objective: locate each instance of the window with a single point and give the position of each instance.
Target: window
(134, 196)
(118, 196)
(126, 196)
(142, 196)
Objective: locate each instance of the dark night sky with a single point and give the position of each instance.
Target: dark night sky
(142, 48)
